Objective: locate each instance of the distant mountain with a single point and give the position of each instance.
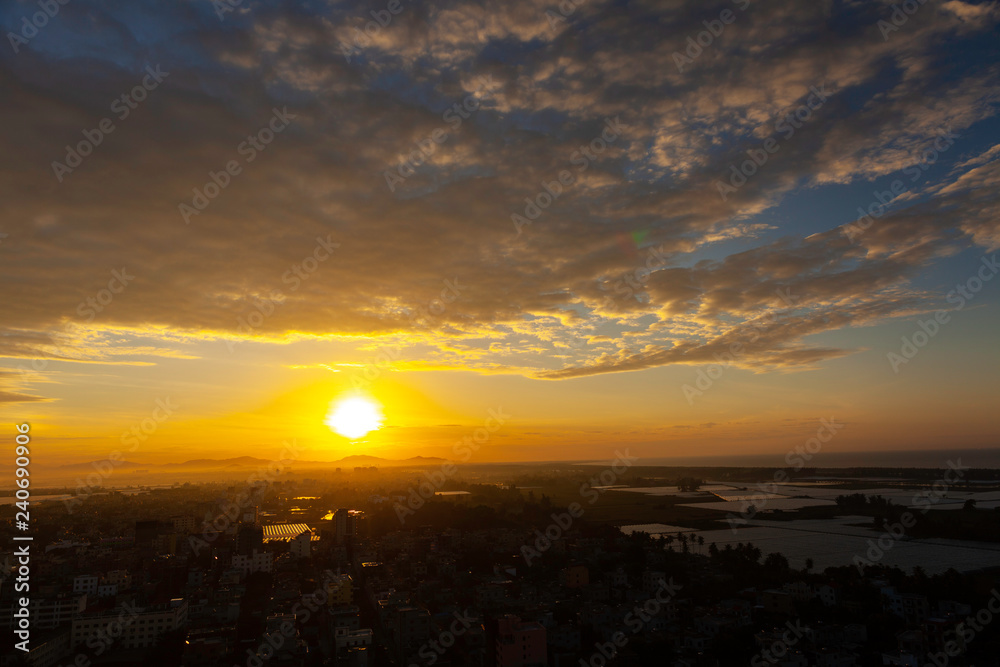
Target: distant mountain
(250, 462)
(92, 466)
(366, 459)
(237, 462)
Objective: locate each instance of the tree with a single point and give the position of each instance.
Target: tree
(776, 562)
(689, 483)
(809, 564)
(969, 505)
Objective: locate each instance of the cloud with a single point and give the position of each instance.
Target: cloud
(437, 263)
(9, 384)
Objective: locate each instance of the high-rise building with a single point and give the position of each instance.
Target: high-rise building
(249, 538)
(147, 532)
(341, 524)
(250, 515)
(410, 628)
(348, 524)
(300, 545)
(185, 525)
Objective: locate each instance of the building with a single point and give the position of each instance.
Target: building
(46, 613)
(86, 584)
(348, 524)
(340, 524)
(347, 639)
(300, 545)
(258, 561)
(339, 588)
(520, 643)
(49, 650)
(777, 602)
(249, 538)
(281, 635)
(346, 616)
(209, 646)
(574, 576)
(156, 535)
(653, 580)
(410, 628)
(913, 609)
(184, 525)
(828, 594)
(128, 626)
(165, 543)
(120, 578)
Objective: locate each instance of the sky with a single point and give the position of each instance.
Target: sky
(555, 229)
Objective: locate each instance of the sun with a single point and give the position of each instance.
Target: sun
(354, 417)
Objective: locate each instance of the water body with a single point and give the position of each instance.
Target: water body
(928, 458)
(832, 543)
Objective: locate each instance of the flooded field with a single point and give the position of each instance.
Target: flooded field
(770, 503)
(836, 543)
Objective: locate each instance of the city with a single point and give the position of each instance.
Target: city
(500, 573)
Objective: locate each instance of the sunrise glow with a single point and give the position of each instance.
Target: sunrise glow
(354, 417)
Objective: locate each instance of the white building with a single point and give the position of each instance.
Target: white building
(49, 650)
(258, 561)
(128, 626)
(300, 545)
(46, 613)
